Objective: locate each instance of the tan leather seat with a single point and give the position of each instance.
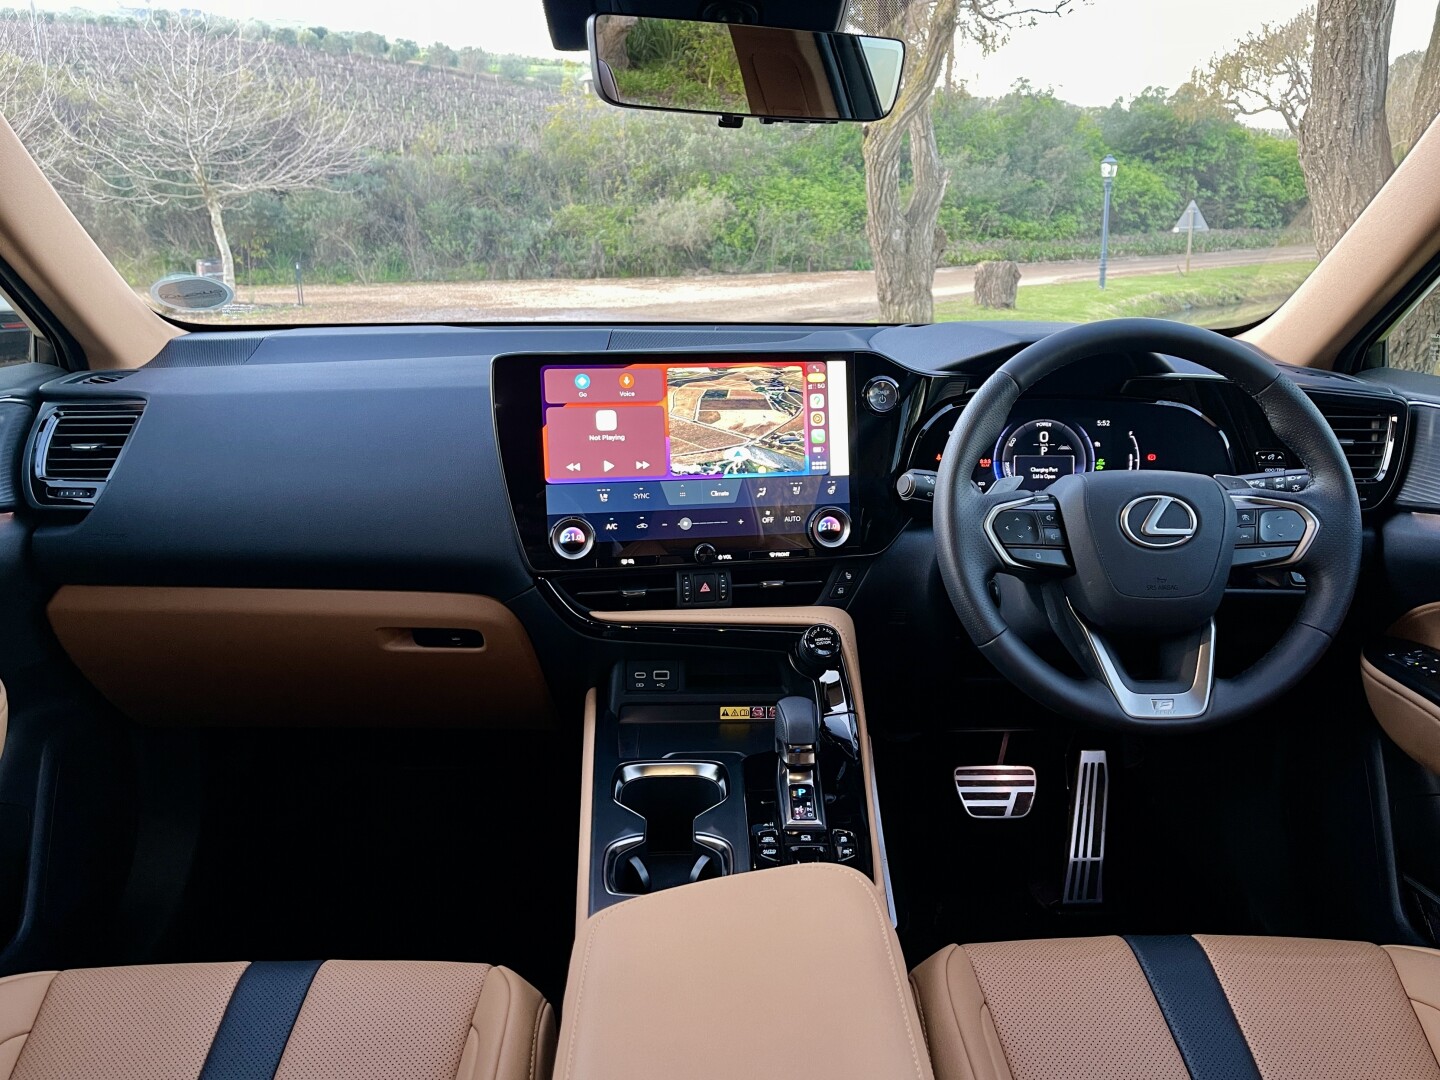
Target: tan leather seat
(344, 1019)
(1181, 1008)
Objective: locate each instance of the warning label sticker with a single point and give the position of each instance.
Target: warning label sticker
(747, 712)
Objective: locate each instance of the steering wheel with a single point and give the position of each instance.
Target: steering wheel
(1138, 561)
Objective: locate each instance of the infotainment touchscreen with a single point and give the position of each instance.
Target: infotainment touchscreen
(667, 454)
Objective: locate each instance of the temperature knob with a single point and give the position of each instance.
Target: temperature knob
(830, 526)
(572, 538)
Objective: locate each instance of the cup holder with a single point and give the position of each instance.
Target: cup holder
(669, 796)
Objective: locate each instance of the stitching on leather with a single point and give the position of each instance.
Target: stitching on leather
(868, 888)
(505, 1027)
(980, 1017)
(580, 993)
(920, 1010)
(535, 1036)
(1415, 1003)
(36, 1018)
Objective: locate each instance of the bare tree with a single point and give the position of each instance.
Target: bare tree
(901, 225)
(189, 115)
(25, 88)
(1268, 70)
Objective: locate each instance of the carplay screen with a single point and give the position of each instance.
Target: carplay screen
(695, 450)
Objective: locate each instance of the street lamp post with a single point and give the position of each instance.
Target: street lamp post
(1108, 168)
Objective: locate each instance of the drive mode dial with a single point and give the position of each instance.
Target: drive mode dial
(572, 538)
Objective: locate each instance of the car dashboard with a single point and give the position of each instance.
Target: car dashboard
(617, 468)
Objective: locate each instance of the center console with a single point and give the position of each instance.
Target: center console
(738, 747)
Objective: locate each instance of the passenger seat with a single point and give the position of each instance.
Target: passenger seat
(1181, 1008)
(338, 1020)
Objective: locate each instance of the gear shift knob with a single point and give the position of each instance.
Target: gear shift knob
(797, 727)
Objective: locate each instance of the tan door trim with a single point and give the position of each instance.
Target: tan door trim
(52, 253)
(1411, 720)
(797, 617)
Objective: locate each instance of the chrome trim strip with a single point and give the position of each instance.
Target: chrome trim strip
(706, 770)
(1389, 451)
(1157, 705)
(878, 826)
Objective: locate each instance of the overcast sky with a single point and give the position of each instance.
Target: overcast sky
(1092, 55)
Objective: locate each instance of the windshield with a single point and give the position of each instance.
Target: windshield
(319, 162)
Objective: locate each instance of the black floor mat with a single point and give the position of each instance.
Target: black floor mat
(385, 845)
(1173, 859)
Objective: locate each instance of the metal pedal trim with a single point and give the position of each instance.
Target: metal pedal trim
(996, 792)
(1085, 873)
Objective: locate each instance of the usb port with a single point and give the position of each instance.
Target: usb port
(660, 676)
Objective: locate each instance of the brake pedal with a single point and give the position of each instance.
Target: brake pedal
(1084, 876)
(996, 791)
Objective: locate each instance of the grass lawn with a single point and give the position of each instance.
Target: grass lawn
(1169, 293)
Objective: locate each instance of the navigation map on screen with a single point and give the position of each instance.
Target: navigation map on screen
(670, 421)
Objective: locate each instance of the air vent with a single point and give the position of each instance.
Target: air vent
(103, 378)
(1367, 435)
(76, 449)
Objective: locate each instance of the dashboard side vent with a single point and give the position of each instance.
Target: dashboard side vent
(1367, 435)
(76, 448)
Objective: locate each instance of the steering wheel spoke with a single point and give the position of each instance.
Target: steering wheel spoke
(1179, 687)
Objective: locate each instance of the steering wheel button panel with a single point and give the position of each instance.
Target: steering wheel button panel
(1044, 558)
(1281, 527)
(1254, 556)
(1017, 527)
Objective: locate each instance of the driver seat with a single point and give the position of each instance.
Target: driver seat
(1181, 1008)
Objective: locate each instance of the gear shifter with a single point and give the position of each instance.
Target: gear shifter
(797, 727)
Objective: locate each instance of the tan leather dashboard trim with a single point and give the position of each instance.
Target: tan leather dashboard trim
(799, 617)
(1408, 718)
(792, 971)
(54, 255)
(300, 657)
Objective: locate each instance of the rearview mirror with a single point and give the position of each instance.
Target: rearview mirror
(734, 70)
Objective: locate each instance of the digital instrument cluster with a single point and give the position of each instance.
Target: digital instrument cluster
(1048, 439)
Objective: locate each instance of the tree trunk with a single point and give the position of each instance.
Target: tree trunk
(1414, 344)
(222, 241)
(1427, 89)
(1345, 148)
(901, 230)
(996, 284)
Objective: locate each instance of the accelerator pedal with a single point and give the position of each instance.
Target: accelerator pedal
(1084, 876)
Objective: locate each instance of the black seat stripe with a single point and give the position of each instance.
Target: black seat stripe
(258, 1020)
(1195, 1006)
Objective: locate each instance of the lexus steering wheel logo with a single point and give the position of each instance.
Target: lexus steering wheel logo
(1159, 521)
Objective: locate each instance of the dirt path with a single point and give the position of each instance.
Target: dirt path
(842, 296)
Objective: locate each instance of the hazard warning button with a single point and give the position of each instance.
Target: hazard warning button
(709, 588)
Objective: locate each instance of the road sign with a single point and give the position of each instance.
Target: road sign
(1192, 220)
